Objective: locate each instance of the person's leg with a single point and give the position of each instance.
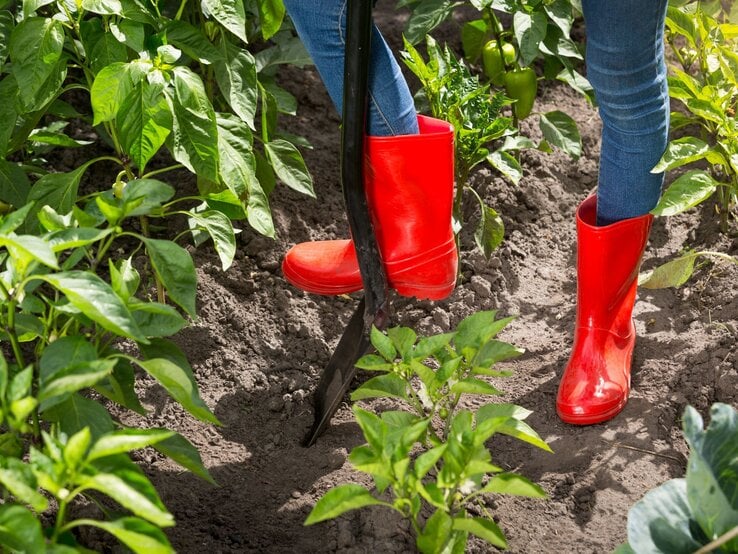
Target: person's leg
(321, 25)
(626, 68)
(625, 64)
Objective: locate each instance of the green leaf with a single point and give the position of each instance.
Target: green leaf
(119, 387)
(235, 72)
(530, 30)
(426, 16)
(477, 329)
(129, 497)
(63, 353)
(76, 447)
(560, 130)
(58, 190)
(155, 319)
(124, 278)
(107, 50)
(510, 483)
(428, 346)
(126, 440)
(560, 12)
(181, 451)
(220, 229)
(110, 88)
(374, 429)
(712, 486)
(340, 500)
(383, 386)
(8, 113)
(473, 38)
(660, 521)
(25, 248)
(470, 385)
(506, 164)
(195, 133)
(271, 14)
(403, 339)
(578, 82)
(673, 273)
(490, 232)
(174, 267)
(14, 184)
(169, 366)
(495, 351)
(289, 166)
(436, 533)
(428, 459)
(20, 530)
(94, 298)
(230, 14)
(372, 362)
(190, 40)
(74, 378)
(19, 480)
(103, 7)
(483, 528)
(143, 196)
(74, 237)
(383, 344)
(138, 535)
(20, 384)
(144, 121)
(238, 170)
(687, 191)
(680, 152)
(78, 412)
(35, 51)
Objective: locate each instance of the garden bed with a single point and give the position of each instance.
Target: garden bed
(259, 346)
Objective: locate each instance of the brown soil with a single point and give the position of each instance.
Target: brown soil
(259, 345)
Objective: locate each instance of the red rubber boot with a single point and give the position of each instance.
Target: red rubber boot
(409, 182)
(596, 381)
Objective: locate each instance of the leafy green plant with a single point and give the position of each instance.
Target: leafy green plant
(155, 79)
(452, 93)
(705, 43)
(432, 458)
(698, 513)
(537, 30)
(65, 325)
(706, 83)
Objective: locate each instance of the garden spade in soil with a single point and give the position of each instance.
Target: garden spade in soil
(374, 308)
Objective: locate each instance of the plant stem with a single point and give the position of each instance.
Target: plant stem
(730, 535)
(180, 11)
(162, 170)
(160, 294)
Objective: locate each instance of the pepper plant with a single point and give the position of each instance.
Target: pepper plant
(429, 462)
(157, 76)
(705, 82)
(482, 134)
(70, 310)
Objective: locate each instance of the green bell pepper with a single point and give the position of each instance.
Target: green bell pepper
(521, 84)
(495, 63)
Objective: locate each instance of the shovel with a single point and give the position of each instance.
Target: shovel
(374, 307)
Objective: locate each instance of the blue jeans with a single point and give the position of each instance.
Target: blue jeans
(321, 25)
(625, 64)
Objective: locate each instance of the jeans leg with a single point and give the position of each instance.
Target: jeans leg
(625, 64)
(321, 25)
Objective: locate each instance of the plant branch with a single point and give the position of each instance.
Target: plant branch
(721, 540)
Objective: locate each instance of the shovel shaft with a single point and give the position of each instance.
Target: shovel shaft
(356, 86)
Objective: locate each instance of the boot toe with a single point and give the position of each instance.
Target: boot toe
(326, 267)
(589, 410)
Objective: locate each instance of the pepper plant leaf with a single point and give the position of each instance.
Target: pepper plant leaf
(20, 530)
(173, 265)
(137, 534)
(687, 191)
(340, 500)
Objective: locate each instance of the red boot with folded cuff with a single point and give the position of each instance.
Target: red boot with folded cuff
(409, 184)
(596, 381)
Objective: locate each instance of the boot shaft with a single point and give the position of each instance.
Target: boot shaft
(409, 181)
(608, 261)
